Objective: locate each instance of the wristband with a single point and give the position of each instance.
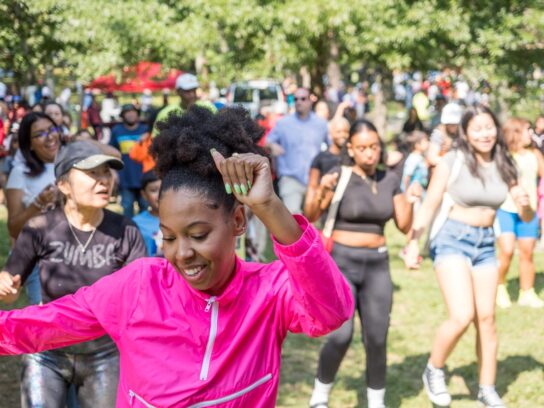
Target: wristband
(39, 206)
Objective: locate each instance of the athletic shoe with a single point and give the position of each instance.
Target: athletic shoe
(490, 399)
(530, 299)
(434, 381)
(376, 404)
(503, 298)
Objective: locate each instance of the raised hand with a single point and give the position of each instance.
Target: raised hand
(47, 197)
(329, 181)
(9, 286)
(247, 176)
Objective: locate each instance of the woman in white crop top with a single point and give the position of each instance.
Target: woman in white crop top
(463, 250)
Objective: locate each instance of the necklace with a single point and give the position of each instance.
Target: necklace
(82, 247)
(373, 183)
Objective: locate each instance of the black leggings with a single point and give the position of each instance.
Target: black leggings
(367, 271)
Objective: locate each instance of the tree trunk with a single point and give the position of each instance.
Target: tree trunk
(333, 70)
(306, 77)
(380, 108)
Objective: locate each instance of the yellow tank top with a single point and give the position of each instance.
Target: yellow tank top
(527, 165)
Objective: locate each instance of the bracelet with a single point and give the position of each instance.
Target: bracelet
(39, 206)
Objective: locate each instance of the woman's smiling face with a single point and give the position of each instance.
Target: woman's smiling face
(199, 238)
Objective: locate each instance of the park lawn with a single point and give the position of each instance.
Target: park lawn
(418, 310)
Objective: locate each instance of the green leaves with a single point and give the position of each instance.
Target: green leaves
(502, 41)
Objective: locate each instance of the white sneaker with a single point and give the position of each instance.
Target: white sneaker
(530, 299)
(503, 298)
(490, 399)
(434, 381)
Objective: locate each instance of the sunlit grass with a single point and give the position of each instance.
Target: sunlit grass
(417, 311)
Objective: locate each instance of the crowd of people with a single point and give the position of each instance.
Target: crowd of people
(177, 283)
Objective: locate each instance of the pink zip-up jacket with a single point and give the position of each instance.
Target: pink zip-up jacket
(182, 348)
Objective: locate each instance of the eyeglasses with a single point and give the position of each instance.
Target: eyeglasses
(301, 98)
(45, 133)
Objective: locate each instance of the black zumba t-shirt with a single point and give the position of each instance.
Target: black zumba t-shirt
(47, 240)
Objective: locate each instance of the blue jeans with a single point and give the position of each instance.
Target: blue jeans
(48, 376)
(128, 197)
(455, 239)
(33, 286)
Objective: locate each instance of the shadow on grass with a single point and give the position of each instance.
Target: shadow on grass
(509, 369)
(513, 285)
(404, 379)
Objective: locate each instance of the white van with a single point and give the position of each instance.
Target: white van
(254, 94)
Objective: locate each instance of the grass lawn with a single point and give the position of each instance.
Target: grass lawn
(417, 312)
(418, 309)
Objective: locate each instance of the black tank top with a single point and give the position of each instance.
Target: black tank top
(363, 211)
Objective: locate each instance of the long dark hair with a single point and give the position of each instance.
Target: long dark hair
(32, 161)
(359, 126)
(499, 153)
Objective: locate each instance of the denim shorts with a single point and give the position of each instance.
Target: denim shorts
(456, 239)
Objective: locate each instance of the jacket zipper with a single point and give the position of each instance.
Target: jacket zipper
(133, 395)
(232, 396)
(209, 403)
(212, 304)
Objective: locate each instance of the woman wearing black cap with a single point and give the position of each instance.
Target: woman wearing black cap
(74, 245)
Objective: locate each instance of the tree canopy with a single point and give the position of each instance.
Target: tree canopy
(502, 41)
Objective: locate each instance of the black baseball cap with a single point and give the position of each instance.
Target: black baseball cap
(148, 177)
(83, 155)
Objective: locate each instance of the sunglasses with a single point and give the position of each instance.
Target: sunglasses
(45, 133)
(301, 98)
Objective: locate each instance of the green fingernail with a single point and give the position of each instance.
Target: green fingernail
(237, 189)
(249, 184)
(244, 189)
(212, 150)
(227, 188)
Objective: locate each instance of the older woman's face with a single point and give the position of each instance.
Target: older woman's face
(88, 188)
(199, 238)
(44, 140)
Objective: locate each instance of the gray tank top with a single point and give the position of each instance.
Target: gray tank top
(467, 190)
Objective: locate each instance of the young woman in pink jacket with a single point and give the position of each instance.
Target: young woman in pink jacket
(202, 327)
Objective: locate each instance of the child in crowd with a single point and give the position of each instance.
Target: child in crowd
(148, 221)
(13, 144)
(416, 169)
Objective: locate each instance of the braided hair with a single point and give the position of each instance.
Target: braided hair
(182, 150)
